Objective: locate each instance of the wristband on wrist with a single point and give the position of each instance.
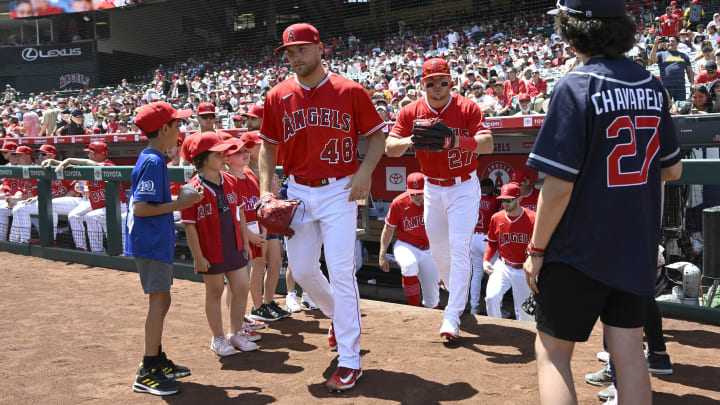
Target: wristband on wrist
(534, 252)
(468, 143)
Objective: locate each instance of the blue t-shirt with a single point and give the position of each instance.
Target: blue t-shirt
(672, 67)
(150, 237)
(608, 131)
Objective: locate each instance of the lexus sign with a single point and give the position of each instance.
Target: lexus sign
(33, 54)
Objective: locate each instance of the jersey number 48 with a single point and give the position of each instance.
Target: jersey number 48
(336, 150)
(615, 176)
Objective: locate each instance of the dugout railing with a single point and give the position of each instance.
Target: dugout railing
(695, 172)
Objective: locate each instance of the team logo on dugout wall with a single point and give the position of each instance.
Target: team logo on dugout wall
(498, 172)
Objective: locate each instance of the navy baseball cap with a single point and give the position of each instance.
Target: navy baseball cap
(590, 8)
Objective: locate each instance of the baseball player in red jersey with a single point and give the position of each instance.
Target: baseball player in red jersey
(64, 199)
(92, 211)
(16, 191)
(489, 205)
(451, 183)
(312, 121)
(509, 233)
(412, 249)
(528, 193)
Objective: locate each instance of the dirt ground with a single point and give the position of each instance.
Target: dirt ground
(72, 334)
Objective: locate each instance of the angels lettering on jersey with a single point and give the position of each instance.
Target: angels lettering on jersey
(315, 117)
(410, 223)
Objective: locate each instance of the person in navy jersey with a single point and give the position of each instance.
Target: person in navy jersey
(605, 146)
(151, 240)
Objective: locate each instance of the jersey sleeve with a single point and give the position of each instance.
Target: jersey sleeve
(492, 229)
(560, 146)
(403, 124)
(393, 216)
(669, 148)
(366, 116)
(150, 182)
(189, 215)
(268, 129)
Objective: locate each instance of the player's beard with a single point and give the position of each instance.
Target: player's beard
(307, 68)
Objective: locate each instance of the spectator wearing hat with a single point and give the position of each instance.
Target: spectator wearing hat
(709, 74)
(525, 104)
(206, 120)
(64, 200)
(537, 89)
(15, 190)
(92, 209)
(254, 117)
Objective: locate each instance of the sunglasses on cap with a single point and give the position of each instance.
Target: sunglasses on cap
(208, 116)
(507, 200)
(431, 85)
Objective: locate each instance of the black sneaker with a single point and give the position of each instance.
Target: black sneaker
(155, 382)
(283, 313)
(659, 363)
(170, 369)
(265, 313)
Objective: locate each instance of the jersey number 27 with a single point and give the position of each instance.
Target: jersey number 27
(615, 176)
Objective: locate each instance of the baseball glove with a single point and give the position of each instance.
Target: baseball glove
(276, 214)
(432, 135)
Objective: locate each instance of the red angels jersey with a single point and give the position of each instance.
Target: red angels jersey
(510, 236)
(205, 216)
(26, 186)
(530, 200)
(514, 88)
(249, 195)
(407, 217)
(463, 116)
(58, 188)
(489, 205)
(669, 25)
(96, 190)
(317, 129)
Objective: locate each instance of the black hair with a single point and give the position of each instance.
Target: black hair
(487, 183)
(199, 160)
(156, 132)
(701, 88)
(611, 37)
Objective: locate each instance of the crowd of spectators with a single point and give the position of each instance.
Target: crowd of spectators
(508, 67)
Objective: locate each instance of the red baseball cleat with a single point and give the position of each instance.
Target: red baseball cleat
(332, 342)
(343, 379)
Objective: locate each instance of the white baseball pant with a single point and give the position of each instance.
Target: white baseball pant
(327, 218)
(20, 229)
(76, 217)
(477, 252)
(450, 215)
(415, 262)
(502, 279)
(5, 213)
(97, 227)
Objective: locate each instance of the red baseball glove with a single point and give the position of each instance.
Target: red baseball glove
(276, 214)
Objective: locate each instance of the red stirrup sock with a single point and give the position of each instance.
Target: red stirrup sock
(411, 286)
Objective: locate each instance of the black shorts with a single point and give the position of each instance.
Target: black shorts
(271, 236)
(569, 304)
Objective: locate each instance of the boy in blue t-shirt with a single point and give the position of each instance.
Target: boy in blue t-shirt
(151, 240)
(605, 146)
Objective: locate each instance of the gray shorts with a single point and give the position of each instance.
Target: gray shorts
(155, 276)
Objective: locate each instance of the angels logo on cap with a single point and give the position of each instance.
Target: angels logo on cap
(435, 67)
(298, 34)
(415, 183)
(291, 34)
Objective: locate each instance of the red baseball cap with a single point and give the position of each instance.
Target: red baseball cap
(256, 111)
(508, 191)
(297, 34)
(206, 108)
(236, 145)
(415, 183)
(251, 136)
(207, 141)
(48, 149)
(524, 97)
(24, 150)
(152, 117)
(181, 138)
(518, 176)
(98, 146)
(9, 146)
(435, 67)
